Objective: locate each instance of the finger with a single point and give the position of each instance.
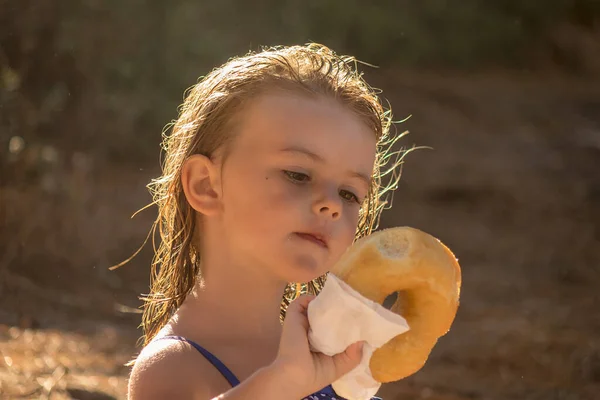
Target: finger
(295, 326)
(302, 302)
(299, 307)
(348, 360)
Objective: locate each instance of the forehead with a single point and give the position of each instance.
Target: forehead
(322, 125)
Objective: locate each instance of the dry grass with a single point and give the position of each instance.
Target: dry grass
(57, 364)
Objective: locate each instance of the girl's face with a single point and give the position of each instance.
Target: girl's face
(293, 182)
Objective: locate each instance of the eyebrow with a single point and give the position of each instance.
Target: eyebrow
(318, 158)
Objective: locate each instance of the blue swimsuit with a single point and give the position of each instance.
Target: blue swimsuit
(326, 393)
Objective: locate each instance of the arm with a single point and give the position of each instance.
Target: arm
(297, 372)
(163, 371)
(266, 384)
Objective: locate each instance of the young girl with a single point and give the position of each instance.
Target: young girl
(272, 170)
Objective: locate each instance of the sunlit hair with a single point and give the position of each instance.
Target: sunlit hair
(205, 120)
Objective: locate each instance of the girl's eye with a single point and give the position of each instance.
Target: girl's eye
(298, 177)
(349, 196)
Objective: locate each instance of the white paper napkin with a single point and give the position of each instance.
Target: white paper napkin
(340, 316)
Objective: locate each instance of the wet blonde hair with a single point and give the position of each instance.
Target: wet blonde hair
(203, 125)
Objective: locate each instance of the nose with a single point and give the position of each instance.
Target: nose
(328, 205)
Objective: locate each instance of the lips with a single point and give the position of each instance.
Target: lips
(313, 237)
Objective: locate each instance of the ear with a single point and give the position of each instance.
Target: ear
(199, 178)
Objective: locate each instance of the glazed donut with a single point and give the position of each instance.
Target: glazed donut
(427, 278)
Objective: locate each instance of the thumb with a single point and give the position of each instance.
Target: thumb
(349, 359)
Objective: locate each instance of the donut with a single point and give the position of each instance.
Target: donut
(426, 277)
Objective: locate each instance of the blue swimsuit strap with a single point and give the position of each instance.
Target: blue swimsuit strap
(226, 372)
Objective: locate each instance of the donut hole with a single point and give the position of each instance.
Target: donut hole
(396, 302)
(390, 300)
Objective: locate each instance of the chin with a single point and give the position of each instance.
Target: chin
(305, 268)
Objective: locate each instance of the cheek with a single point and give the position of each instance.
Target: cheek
(260, 200)
(348, 228)
(350, 231)
(281, 195)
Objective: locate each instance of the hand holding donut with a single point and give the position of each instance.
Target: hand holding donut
(309, 371)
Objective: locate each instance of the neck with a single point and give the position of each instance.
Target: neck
(234, 298)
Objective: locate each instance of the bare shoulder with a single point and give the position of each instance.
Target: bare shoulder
(171, 369)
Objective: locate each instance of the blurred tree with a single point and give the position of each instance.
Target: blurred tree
(104, 77)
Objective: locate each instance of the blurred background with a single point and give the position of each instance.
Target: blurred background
(506, 92)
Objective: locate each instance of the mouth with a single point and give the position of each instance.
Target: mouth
(313, 237)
